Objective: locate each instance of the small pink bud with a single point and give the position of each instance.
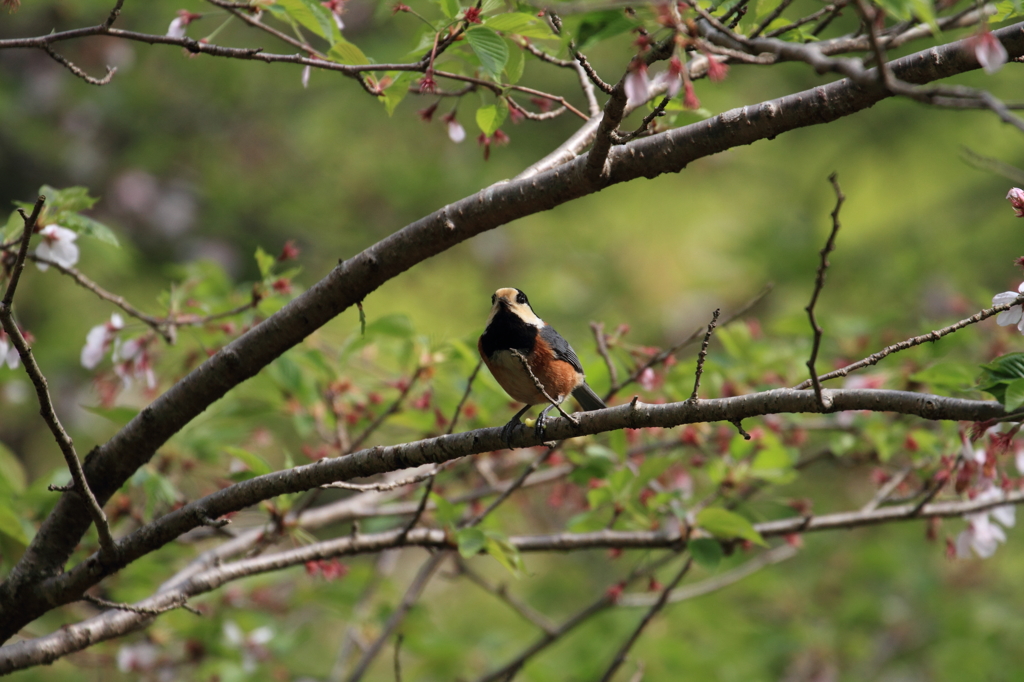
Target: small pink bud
(690, 100)
(1016, 198)
(989, 52)
(717, 71)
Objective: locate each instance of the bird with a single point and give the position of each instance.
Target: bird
(513, 326)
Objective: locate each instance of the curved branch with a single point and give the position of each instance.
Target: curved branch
(71, 638)
(22, 595)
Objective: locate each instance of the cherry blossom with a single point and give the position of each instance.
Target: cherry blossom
(989, 52)
(455, 130)
(717, 71)
(336, 7)
(637, 84)
(8, 353)
(305, 75)
(132, 361)
(1016, 198)
(673, 77)
(252, 645)
(177, 27)
(58, 245)
(1015, 314)
(99, 340)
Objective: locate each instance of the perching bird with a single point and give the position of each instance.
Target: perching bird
(512, 325)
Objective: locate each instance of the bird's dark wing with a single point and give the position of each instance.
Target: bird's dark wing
(560, 347)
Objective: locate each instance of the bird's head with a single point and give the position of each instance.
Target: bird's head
(514, 301)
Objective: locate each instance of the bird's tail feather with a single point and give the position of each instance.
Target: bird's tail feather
(587, 399)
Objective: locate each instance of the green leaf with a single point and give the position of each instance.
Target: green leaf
(706, 552)
(515, 64)
(1014, 396)
(774, 464)
(10, 525)
(11, 471)
(598, 497)
(87, 227)
(396, 92)
(119, 415)
(490, 118)
(504, 552)
(598, 26)
(446, 513)
(347, 53)
(256, 464)
(490, 48)
(313, 16)
(1002, 371)
(727, 525)
(521, 24)
(471, 541)
(589, 521)
(449, 7)
(264, 261)
(68, 199)
(950, 375)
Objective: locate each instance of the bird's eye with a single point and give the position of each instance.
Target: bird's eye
(521, 298)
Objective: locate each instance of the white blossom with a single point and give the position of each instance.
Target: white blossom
(8, 353)
(455, 131)
(252, 645)
(982, 536)
(177, 28)
(637, 84)
(1014, 315)
(58, 245)
(99, 340)
(305, 75)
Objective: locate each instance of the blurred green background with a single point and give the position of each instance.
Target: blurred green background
(210, 158)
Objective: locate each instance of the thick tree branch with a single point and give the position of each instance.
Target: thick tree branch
(22, 594)
(76, 637)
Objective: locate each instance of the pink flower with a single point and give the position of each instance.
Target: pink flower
(989, 52)
(8, 353)
(648, 379)
(427, 83)
(455, 130)
(1016, 199)
(58, 245)
(673, 78)
(690, 100)
(1015, 315)
(637, 84)
(717, 71)
(99, 340)
(336, 7)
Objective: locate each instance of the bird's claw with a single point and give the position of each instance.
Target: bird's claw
(538, 429)
(508, 431)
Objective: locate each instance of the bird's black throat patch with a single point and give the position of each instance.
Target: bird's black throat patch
(507, 331)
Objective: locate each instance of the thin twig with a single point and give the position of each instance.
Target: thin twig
(620, 655)
(398, 615)
(379, 487)
(602, 350)
(392, 408)
(935, 335)
(772, 16)
(398, 660)
(713, 584)
(516, 484)
(108, 548)
(704, 353)
(121, 606)
(883, 493)
(540, 387)
(465, 396)
(589, 70)
(502, 593)
(696, 334)
(70, 66)
(819, 283)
